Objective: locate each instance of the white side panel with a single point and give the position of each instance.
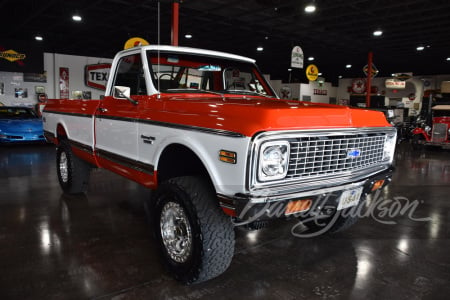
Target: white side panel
(118, 137)
(78, 129)
(227, 178)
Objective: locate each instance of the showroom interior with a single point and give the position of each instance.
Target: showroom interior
(345, 59)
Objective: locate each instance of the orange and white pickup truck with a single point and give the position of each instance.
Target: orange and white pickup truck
(209, 135)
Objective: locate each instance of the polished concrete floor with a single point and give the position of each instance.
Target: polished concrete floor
(98, 246)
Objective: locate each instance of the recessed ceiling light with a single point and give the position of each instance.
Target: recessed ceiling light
(420, 48)
(310, 58)
(266, 37)
(289, 69)
(448, 58)
(77, 18)
(378, 33)
(310, 8)
(259, 49)
(340, 76)
(188, 36)
(320, 74)
(348, 66)
(38, 38)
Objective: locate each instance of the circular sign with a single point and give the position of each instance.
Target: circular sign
(359, 86)
(312, 72)
(135, 42)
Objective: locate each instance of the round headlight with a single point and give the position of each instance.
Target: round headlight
(274, 158)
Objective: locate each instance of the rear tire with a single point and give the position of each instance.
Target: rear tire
(196, 238)
(73, 172)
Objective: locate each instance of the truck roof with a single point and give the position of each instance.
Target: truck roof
(190, 50)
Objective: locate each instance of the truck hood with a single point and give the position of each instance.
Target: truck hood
(249, 115)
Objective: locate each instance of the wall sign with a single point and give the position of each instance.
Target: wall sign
(64, 83)
(320, 92)
(358, 86)
(96, 76)
(17, 56)
(393, 83)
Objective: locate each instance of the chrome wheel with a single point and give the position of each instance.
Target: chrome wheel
(63, 167)
(176, 232)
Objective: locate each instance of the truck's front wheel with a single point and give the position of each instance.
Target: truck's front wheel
(196, 238)
(73, 173)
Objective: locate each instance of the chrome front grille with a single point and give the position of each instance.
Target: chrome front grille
(439, 133)
(317, 156)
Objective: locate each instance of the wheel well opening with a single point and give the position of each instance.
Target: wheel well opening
(178, 160)
(61, 132)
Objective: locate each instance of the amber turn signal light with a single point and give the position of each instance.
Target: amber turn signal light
(227, 156)
(377, 185)
(298, 206)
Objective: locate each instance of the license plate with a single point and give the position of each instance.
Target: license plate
(349, 198)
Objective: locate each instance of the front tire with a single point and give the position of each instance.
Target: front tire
(195, 237)
(73, 172)
(417, 142)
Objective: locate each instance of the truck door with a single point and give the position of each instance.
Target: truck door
(116, 125)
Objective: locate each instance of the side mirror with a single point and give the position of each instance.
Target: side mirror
(121, 92)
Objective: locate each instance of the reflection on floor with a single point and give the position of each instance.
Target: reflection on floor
(98, 245)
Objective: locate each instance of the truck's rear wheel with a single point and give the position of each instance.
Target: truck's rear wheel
(196, 238)
(73, 173)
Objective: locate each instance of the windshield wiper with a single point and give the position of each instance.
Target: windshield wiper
(197, 90)
(248, 92)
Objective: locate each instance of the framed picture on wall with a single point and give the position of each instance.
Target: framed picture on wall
(87, 95)
(77, 95)
(21, 93)
(39, 89)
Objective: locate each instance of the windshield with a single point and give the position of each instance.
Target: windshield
(179, 72)
(441, 113)
(16, 113)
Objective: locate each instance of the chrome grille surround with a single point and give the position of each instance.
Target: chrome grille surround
(316, 156)
(322, 158)
(439, 134)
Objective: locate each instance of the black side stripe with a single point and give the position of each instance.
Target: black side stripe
(156, 123)
(68, 114)
(175, 126)
(81, 146)
(125, 161)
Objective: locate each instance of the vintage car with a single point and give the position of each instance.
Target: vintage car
(438, 133)
(206, 132)
(20, 124)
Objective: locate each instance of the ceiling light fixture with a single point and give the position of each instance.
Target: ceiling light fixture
(77, 18)
(320, 74)
(310, 8)
(188, 36)
(420, 48)
(310, 58)
(378, 32)
(448, 58)
(38, 38)
(259, 49)
(348, 66)
(340, 76)
(289, 70)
